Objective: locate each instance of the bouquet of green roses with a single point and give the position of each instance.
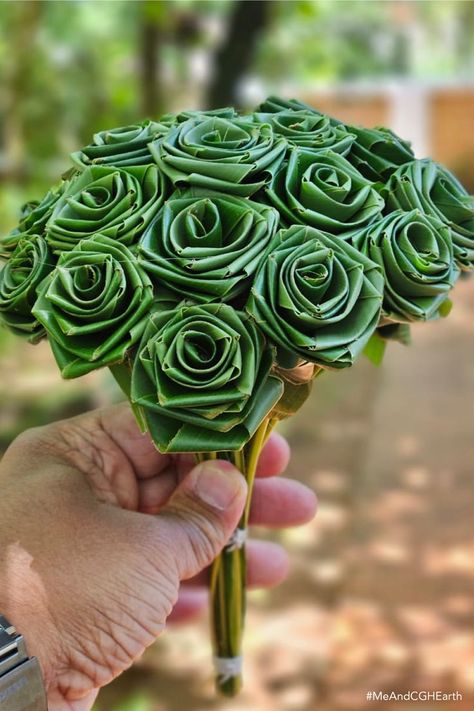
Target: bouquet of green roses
(217, 263)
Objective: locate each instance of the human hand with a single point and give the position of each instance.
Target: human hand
(98, 530)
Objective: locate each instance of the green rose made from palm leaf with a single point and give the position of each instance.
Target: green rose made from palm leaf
(171, 119)
(116, 202)
(415, 252)
(123, 146)
(308, 129)
(207, 246)
(93, 305)
(325, 191)
(316, 297)
(29, 264)
(35, 215)
(235, 157)
(275, 104)
(202, 378)
(431, 188)
(377, 152)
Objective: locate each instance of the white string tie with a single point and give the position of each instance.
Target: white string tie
(227, 668)
(237, 540)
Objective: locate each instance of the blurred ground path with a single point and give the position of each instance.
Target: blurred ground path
(412, 553)
(382, 591)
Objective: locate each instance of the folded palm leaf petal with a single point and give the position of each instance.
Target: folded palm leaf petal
(34, 217)
(324, 190)
(29, 264)
(117, 202)
(317, 298)
(415, 252)
(94, 305)
(431, 188)
(207, 246)
(123, 146)
(202, 378)
(308, 129)
(235, 156)
(377, 152)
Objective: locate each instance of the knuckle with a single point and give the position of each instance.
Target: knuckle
(205, 538)
(29, 441)
(158, 555)
(30, 436)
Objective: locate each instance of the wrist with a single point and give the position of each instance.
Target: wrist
(23, 601)
(27, 620)
(21, 683)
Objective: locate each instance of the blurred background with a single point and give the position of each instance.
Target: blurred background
(381, 594)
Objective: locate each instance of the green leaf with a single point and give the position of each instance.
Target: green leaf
(123, 146)
(445, 308)
(399, 332)
(308, 129)
(375, 349)
(122, 373)
(293, 397)
(116, 202)
(377, 152)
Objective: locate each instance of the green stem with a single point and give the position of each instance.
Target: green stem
(228, 573)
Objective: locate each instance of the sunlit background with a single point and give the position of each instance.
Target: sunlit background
(381, 592)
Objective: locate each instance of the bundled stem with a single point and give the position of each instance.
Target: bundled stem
(228, 576)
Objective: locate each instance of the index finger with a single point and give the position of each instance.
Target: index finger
(119, 422)
(274, 456)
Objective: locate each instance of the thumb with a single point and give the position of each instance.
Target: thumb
(201, 515)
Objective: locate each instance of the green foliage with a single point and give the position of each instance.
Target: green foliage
(69, 69)
(326, 41)
(375, 349)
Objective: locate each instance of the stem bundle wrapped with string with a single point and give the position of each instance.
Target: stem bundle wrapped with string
(217, 263)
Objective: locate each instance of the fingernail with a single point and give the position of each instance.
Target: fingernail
(218, 485)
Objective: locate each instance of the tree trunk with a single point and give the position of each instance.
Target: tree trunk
(235, 55)
(151, 38)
